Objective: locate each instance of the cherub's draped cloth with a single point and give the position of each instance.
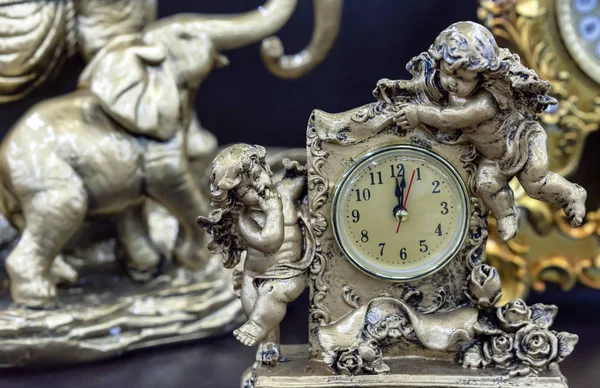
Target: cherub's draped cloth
(288, 270)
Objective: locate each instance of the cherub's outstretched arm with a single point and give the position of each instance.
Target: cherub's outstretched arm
(269, 238)
(478, 110)
(388, 89)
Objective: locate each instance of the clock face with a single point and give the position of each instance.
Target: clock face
(579, 24)
(400, 213)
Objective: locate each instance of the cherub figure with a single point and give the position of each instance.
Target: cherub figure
(263, 220)
(484, 95)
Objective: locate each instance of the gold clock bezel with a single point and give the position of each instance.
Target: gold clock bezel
(458, 244)
(573, 45)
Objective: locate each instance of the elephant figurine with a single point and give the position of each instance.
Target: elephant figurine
(117, 140)
(44, 33)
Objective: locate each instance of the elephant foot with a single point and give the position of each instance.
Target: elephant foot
(191, 254)
(30, 289)
(38, 293)
(144, 274)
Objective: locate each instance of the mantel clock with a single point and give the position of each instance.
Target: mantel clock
(395, 225)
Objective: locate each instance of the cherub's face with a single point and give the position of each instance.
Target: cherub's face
(460, 82)
(253, 185)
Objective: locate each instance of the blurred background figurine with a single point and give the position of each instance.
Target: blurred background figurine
(125, 146)
(42, 35)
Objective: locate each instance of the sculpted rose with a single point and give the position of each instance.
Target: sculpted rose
(536, 347)
(500, 349)
(350, 363)
(513, 315)
(484, 285)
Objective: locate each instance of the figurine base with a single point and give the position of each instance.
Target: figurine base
(298, 372)
(99, 324)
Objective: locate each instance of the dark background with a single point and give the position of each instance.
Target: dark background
(245, 103)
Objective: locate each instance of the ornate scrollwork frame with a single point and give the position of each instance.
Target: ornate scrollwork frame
(547, 249)
(529, 28)
(318, 182)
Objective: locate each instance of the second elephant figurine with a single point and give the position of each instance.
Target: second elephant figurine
(117, 140)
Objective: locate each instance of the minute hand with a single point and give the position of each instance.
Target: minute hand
(406, 198)
(408, 192)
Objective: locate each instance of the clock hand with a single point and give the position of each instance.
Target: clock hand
(399, 195)
(408, 192)
(402, 186)
(406, 198)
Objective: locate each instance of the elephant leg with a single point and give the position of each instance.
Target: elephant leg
(170, 182)
(62, 272)
(53, 215)
(142, 255)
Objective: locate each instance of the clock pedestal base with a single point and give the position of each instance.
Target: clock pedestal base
(299, 372)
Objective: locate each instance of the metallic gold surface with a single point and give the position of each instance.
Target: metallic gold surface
(472, 105)
(327, 17)
(104, 314)
(111, 176)
(38, 37)
(174, 307)
(260, 221)
(529, 28)
(547, 249)
(301, 372)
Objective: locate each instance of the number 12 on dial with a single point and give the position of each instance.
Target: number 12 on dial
(400, 213)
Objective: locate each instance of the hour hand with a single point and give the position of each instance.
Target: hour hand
(399, 194)
(402, 186)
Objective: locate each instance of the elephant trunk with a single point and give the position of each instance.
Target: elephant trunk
(327, 17)
(229, 32)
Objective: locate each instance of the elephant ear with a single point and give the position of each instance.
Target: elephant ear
(137, 86)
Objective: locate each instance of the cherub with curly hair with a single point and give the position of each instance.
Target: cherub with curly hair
(252, 215)
(482, 94)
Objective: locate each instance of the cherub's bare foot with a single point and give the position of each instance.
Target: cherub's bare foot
(268, 353)
(508, 227)
(575, 208)
(250, 333)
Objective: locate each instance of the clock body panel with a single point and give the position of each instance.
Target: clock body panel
(393, 245)
(337, 284)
